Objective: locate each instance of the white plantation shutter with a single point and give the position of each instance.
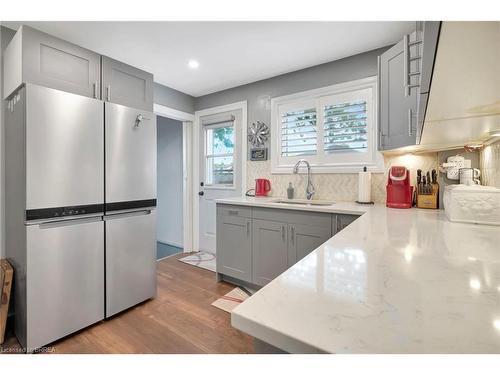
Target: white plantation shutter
(334, 128)
(299, 134)
(345, 127)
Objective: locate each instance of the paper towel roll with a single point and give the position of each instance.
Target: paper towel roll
(365, 187)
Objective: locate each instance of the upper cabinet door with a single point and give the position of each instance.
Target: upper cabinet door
(52, 62)
(398, 110)
(123, 84)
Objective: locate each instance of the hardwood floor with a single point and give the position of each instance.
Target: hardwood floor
(179, 320)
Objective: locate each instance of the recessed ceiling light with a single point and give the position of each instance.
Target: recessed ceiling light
(475, 284)
(193, 64)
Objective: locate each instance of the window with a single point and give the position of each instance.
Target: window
(219, 154)
(334, 128)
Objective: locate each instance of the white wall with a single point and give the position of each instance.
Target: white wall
(170, 182)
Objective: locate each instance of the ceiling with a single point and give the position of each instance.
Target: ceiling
(229, 53)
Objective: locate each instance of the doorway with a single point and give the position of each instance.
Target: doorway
(220, 141)
(170, 229)
(174, 181)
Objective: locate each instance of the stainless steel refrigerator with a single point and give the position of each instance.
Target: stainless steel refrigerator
(80, 210)
(54, 207)
(130, 201)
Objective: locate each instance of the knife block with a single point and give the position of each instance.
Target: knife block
(428, 200)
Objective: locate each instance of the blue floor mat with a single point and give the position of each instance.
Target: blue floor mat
(163, 250)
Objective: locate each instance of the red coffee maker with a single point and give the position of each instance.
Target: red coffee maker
(262, 187)
(399, 190)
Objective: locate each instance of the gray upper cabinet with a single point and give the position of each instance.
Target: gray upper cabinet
(430, 36)
(405, 73)
(39, 58)
(123, 84)
(234, 244)
(303, 239)
(397, 104)
(269, 250)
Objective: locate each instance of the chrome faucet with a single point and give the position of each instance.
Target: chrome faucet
(310, 188)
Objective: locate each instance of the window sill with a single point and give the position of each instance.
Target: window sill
(328, 169)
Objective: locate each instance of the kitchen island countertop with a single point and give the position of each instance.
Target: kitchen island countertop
(393, 281)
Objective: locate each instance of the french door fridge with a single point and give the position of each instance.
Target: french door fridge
(54, 208)
(130, 202)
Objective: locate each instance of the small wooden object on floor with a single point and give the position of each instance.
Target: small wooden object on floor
(6, 273)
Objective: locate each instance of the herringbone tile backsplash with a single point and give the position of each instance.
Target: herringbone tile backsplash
(340, 187)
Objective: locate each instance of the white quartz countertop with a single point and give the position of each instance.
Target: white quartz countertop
(393, 281)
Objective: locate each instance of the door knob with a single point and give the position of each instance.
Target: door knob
(201, 193)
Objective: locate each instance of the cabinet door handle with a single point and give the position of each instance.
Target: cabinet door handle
(283, 233)
(292, 235)
(108, 93)
(406, 63)
(95, 90)
(248, 229)
(410, 128)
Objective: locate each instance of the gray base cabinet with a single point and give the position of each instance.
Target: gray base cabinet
(269, 250)
(255, 245)
(234, 247)
(123, 84)
(42, 59)
(304, 239)
(341, 221)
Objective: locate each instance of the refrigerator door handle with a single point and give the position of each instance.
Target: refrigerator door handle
(120, 215)
(67, 222)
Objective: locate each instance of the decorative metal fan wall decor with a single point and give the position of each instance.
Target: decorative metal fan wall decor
(258, 134)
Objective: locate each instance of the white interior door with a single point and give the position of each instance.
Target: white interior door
(220, 169)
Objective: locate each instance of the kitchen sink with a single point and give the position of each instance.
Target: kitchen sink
(304, 202)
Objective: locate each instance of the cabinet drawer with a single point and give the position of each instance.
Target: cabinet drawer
(318, 219)
(234, 211)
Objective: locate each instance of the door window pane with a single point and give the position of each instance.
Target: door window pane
(219, 168)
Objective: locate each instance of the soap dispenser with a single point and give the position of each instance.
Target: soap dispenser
(289, 191)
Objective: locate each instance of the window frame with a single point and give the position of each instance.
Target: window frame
(350, 162)
(206, 156)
